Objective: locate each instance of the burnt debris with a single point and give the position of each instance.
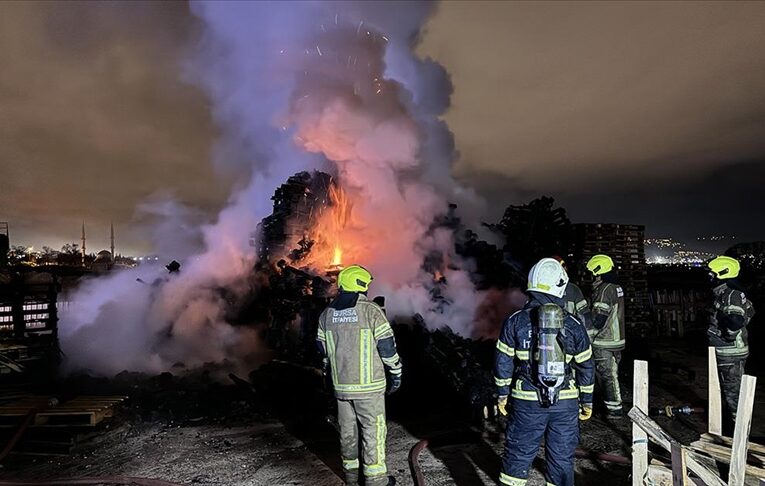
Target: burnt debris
(298, 205)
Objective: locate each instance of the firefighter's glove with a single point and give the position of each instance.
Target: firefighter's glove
(394, 383)
(502, 405)
(585, 411)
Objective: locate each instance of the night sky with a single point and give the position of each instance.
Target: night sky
(649, 113)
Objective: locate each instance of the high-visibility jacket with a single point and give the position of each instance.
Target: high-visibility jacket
(608, 307)
(355, 336)
(513, 372)
(727, 324)
(576, 304)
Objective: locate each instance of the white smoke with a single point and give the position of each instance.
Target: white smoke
(354, 92)
(294, 86)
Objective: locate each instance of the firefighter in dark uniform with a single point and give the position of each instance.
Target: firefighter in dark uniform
(544, 364)
(727, 328)
(607, 331)
(574, 300)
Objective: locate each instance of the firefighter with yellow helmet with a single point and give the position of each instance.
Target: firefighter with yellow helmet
(608, 331)
(727, 331)
(359, 348)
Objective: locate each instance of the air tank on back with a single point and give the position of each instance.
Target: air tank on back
(550, 359)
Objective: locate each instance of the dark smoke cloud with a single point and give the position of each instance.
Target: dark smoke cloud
(590, 100)
(95, 118)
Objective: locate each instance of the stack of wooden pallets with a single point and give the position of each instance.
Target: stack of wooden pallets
(625, 244)
(85, 411)
(43, 426)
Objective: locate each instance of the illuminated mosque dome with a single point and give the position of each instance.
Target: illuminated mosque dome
(104, 256)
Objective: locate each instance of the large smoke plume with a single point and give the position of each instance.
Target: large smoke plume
(332, 86)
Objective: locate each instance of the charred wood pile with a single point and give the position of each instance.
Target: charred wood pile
(465, 365)
(298, 204)
(295, 295)
(533, 231)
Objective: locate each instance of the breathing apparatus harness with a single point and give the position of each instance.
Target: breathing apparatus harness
(548, 368)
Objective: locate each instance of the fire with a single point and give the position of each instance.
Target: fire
(337, 260)
(332, 237)
(341, 207)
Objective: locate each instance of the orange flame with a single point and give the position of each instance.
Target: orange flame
(338, 258)
(341, 207)
(331, 242)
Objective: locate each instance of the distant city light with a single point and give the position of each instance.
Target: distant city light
(715, 238)
(667, 251)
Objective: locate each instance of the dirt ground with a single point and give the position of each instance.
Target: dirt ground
(257, 455)
(207, 432)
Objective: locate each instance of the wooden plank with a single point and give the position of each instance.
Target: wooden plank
(715, 396)
(724, 457)
(53, 411)
(78, 418)
(45, 447)
(639, 437)
(93, 404)
(58, 407)
(679, 473)
(723, 440)
(659, 475)
(709, 477)
(753, 458)
(737, 473)
(120, 397)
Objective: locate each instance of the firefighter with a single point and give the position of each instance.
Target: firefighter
(573, 298)
(544, 364)
(727, 327)
(607, 331)
(359, 348)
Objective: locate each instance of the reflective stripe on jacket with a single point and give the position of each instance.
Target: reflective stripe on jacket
(350, 337)
(608, 300)
(730, 302)
(512, 368)
(576, 304)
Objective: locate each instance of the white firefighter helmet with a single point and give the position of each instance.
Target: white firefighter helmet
(548, 277)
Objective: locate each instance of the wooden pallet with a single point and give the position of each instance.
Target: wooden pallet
(755, 460)
(82, 411)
